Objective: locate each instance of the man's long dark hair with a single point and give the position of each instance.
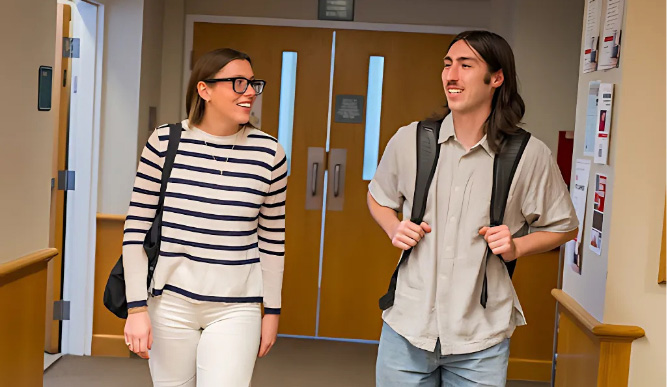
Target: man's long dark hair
(507, 106)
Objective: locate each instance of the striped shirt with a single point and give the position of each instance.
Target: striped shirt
(223, 227)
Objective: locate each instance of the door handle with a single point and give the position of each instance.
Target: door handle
(314, 170)
(337, 180)
(315, 178)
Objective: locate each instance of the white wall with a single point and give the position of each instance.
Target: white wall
(26, 147)
(151, 68)
(546, 40)
(589, 288)
(633, 296)
(120, 103)
(172, 61)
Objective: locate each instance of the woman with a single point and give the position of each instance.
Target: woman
(223, 234)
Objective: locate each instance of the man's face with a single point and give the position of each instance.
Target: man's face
(466, 79)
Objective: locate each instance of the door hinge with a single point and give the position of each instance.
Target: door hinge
(61, 310)
(66, 180)
(71, 47)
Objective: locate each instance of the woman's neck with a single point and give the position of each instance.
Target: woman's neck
(218, 126)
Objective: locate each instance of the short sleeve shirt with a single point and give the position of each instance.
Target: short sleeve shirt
(438, 289)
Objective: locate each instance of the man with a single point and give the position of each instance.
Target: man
(437, 333)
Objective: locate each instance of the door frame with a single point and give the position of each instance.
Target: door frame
(83, 157)
(190, 21)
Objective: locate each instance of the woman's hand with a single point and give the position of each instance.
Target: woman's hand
(139, 333)
(269, 333)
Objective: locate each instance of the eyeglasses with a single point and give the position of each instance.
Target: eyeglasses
(240, 84)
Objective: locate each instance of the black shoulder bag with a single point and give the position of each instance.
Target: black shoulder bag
(114, 292)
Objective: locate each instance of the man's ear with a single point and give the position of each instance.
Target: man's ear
(497, 78)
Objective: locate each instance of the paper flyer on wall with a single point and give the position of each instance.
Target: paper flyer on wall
(591, 117)
(592, 37)
(598, 213)
(578, 193)
(605, 103)
(610, 52)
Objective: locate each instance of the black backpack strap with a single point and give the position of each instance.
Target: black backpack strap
(504, 167)
(427, 160)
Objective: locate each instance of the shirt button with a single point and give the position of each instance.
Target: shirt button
(448, 249)
(452, 219)
(457, 189)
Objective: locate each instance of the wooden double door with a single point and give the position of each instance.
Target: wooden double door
(338, 261)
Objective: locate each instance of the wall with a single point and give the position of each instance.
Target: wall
(151, 68)
(546, 48)
(633, 295)
(475, 13)
(26, 148)
(172, 61)
(588, 289)
(120, 103)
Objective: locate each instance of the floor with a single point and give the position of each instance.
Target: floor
(291, 363)
(49, 359)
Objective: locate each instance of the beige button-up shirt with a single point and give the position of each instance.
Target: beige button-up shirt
(438, 289)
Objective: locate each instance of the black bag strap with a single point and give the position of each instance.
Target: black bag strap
(504, 167)
(172, 148)
(427, 160)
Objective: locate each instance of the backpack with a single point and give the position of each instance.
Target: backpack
(504, 167)
(114, 291)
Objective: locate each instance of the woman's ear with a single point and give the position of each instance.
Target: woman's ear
(203, 90)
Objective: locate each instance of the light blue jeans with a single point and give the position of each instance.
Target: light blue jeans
(401, 364)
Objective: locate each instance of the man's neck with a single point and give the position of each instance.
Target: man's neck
(469, 126)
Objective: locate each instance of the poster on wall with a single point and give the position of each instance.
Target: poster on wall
(592, 37)
(591, 118)
(605, 103)
(578, 193)
(598, 213)
(610, 52)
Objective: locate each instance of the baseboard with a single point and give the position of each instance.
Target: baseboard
(528, 369)
(109, 345)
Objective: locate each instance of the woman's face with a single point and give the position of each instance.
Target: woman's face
(222, 98)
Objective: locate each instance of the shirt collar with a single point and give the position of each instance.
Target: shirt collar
(447, 132)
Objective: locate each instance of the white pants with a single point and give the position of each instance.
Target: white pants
(204, 345)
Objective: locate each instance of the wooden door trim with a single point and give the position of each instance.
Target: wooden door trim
(190, 21)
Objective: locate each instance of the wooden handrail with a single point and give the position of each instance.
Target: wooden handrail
(113, 217)
(589, 322)
(39, 256)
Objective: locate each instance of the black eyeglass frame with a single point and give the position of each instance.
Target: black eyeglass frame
(249, 82)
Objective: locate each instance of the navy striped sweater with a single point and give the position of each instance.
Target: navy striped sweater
(223, 228)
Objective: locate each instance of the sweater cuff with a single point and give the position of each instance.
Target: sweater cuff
(136, 304)
(271, 310)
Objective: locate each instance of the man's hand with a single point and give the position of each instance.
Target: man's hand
(500, 241)
(269, 333)
(407, 234)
